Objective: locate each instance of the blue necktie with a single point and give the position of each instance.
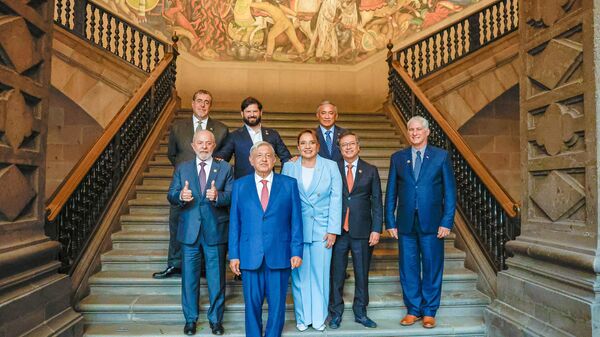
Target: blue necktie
(418, 162)
(328, 141)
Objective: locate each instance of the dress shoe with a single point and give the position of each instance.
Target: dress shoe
(335, 322)
(217, 328)
(365, 321)
(428, 322)
(237, 277)
(409, 320)
(321, 328)
(301, 327)
(170, 271)
(189, 328)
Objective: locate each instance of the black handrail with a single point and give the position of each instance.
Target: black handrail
(102, 28)
(459, 39)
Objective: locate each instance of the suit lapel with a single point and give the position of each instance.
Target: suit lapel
(406, 159)
(192, 173)
(214, 172)
(275, 189)
(298, 173)
(359, 173)
(246, 135)
(210, 126)
(425, 161)
(316, 176)
(342, 168)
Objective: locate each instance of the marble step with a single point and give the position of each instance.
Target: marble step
(291, 141)
(465, 326)
(141, 282)
(293, 123)
(365, 153)
(381, 163)
(220, 113)
(386, 133)
(167, 308)
(145, 258)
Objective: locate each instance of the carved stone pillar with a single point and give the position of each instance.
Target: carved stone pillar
(34, 298)
(550, 286)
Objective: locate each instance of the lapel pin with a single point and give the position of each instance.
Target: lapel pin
(211, 129)
(266, 132)
(359, 171)
(408, 161)
(215, 170)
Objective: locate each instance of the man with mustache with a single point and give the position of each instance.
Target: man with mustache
(240, 141)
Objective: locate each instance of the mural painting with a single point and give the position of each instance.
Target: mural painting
(311, 31)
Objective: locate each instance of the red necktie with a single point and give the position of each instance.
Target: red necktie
(264, 195)
(350, 181)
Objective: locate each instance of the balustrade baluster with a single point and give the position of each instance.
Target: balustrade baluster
(148, 54)
(68, 14)
(59, 12)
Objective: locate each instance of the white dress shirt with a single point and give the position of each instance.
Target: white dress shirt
(259, 185)
(307, 176)
(206, 168)
(256, 136)
(202, 122)
(354, 164)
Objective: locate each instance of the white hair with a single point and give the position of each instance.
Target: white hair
(259, 144)
(420, 120)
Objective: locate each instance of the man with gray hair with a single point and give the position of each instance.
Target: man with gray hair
(265, 239)
(328, 132)
(420, 202)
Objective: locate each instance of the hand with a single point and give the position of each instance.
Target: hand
(442, 232)
(374, 239)
(186, 193)
(212, 193)
(217, 158)
(296, 261)
(393, 232)
(330, 238)
(294, 158)
(234, 265)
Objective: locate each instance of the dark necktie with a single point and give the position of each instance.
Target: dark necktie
(328, 141)
(202, 177)
(418, 162)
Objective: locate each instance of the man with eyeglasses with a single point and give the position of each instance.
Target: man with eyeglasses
(362, 219)
(327, 132)
(179, 150)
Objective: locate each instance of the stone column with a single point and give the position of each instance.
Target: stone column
(549, 288)
(34, 298)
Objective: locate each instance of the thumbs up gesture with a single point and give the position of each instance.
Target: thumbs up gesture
(186, 193)
(212, 193)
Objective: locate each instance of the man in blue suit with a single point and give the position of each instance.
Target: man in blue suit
(419, 212)
(327, 132)
(241, 140)
(201, 188)
(265, 239)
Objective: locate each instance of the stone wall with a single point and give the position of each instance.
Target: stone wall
(71, 133)
(493, 134)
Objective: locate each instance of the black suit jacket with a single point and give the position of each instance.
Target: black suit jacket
(182, 133)
(239, 143)
(336, 155)
(366, 206)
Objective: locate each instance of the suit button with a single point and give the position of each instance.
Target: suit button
(349, 198)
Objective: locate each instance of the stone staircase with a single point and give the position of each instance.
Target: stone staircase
(125, 300)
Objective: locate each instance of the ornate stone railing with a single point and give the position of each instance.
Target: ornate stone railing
(492, 215)
(79, 204)
(459, 39)
(120, 37)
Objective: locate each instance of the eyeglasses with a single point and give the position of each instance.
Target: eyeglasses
(349, 144)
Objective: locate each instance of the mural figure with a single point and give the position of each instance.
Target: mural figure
(311, 31)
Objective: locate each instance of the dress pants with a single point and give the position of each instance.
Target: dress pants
(310, 285)
(421, 253)
(258, 284)
(361, 254)
(174, 257)
(215, 278)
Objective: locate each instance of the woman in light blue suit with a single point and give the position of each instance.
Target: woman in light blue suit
(320, 185)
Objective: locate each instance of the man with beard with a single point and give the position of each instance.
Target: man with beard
(241, 140)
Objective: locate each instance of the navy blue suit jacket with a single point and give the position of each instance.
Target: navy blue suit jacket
(434, 190)
(274, 234)
(213, 217)
(239, 143)
(336, 155)
(364, 200)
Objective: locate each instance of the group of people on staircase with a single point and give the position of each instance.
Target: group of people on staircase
(303, 222)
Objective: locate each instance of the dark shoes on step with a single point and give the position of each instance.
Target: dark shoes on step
(189, 328)
(170, 271)
(216, 328)
(365, 321)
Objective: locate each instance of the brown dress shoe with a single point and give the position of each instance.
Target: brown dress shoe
(409, 320)
(428, 322)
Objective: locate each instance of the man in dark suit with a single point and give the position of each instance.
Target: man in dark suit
(201, 189)
(362, 214)
(265, 239)
(327, 132)
(241, 140)
(420, 202)
(180, 150)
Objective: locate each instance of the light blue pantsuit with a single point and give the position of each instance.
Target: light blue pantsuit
(321, 214)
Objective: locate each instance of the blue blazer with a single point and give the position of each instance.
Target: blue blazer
(434, 190)
(321, 201)
(213, 217)
(239, 143)
(274, 234)
(335, 148)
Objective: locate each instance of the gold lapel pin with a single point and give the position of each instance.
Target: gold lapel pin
(359, 171)
(266, 132)
(211, 129)
(215, 170)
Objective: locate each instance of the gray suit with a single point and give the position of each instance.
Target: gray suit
(179, 151)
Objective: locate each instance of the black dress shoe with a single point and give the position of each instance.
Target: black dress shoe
(365, 321)
(189, 328)
(170, 271)
(217, 328)
(237, 277)
(335, 322)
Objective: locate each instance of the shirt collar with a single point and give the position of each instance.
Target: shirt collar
(251, 131)
(207, 161)
(354, 163)
(323, 130)
(258, 178)
(414, 151)
(197, 120)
